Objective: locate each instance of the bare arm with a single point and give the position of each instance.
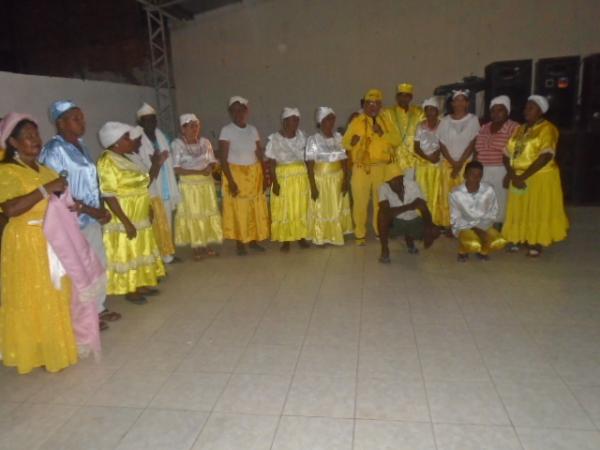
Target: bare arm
(223, 155)
(20, 205)
(537, 165)
(314, 191)
(115, 207)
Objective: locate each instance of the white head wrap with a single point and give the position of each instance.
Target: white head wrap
(289, 112)
(464, 92)
(111, 132)
(146, 110)
(238, 99)
(431, 101)
(541, 101)
(186, 118)
(322, 112)
(503, 100)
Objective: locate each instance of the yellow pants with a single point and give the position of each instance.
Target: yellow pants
(469, 242)
(365, 184)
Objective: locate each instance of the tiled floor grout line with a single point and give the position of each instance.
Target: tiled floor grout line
(412, 324)
(492, 380)
(356, 377)
(316, 299)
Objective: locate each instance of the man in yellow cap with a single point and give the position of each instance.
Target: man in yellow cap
(406, 117)
(370, 140)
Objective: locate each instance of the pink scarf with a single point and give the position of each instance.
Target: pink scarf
(79, 261)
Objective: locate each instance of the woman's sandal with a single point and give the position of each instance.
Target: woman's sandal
(462, 258)
(136, 299)
(109, 316)
(533, 253)
(103, 325)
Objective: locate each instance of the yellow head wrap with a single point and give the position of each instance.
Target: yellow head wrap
(405, 88)
(394, 171)
(373, 95)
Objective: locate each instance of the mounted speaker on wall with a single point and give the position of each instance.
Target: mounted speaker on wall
(558, 80)
(590, 94)
(511, 78)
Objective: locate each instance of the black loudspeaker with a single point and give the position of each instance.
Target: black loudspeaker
(579, 161)
(590, 94)
(511, 78)
(473, 84)
(557, 79)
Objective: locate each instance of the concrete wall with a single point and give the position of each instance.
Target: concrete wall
(100, 101)
(308, 53)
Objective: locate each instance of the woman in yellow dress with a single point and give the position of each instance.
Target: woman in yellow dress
(427, 148)
(329, 214)
(535, 213)
(35, 318)
(134, 262)
(290, 190)
(245, 212)
(197, 220)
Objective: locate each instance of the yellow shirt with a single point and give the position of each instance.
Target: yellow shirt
(371, 148)
(527, 144)
(406, 122)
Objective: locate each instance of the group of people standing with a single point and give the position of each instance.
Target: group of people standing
(78, 230)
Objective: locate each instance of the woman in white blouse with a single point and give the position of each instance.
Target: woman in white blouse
(197, 220)
(329, 214)
(457, 133)
(290, 189)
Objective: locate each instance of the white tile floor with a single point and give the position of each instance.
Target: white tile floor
(327, 349)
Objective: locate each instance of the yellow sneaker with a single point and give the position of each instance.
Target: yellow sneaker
(361, 242)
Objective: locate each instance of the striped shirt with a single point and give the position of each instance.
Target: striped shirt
(490, 146)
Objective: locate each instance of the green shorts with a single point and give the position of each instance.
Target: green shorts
(411, 228)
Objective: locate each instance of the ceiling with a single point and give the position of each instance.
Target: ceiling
(187, 9)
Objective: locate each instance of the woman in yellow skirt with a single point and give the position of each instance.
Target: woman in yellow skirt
(245, 212)
(290, 190)
(329, 214)
(134, 262)
(35, 318)
(427, 149)
(535, 213)
(457, 132)
(197, 220)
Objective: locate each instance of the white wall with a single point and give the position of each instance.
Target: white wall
(308, 53)
(100, 101)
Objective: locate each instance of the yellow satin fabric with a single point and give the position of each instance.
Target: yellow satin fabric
(429, 179)
(329, 216)
(535, 215)
(371, 148)
(131, 263)
(289, 209)
(447, 185)
(406, 123)
(198, 220)
(469, 242)
(35, 318)
(161, 228)
(365, 186)
(245, 216)
(527, 144)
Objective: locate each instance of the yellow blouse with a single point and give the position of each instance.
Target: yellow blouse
(372, 148)
(407, 122)
(121, 177)
(527, 144)
(17, 180)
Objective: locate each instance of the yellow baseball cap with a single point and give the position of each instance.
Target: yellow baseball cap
(405, 88)
(373, 95)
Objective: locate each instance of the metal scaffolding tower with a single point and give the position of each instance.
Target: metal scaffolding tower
(161, 62)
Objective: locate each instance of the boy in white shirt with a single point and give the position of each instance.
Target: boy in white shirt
(403, 211)
(473, 211)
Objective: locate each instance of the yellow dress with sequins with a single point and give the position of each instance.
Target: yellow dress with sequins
(536, 214)
(35, 317)
(132, 263)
